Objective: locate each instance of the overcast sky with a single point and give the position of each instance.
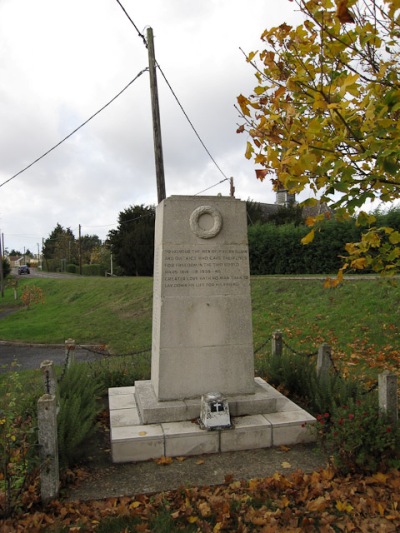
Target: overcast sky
(62, 60)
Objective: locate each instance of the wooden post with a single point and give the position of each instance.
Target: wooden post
(48, 445)
(158, 152)
(277, 344)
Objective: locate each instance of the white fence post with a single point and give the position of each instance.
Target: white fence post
(48, 445)
(388, 402)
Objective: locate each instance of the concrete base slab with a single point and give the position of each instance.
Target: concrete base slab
(143, 428)
(264, 400)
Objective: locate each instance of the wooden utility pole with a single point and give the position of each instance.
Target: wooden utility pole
(158, 153)
(80, 251)
(232, 188)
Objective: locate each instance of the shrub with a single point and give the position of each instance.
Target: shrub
(93, 270)
(296, 375)
(121, 371)
(72, 269)
(359, 436)
(18, 452)
(32, 295)
(79, 407)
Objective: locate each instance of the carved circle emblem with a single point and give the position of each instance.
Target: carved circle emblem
(198, 230)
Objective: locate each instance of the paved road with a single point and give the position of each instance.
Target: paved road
(35, 273)
(29, 356)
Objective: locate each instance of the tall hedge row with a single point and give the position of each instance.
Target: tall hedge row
(278, 249)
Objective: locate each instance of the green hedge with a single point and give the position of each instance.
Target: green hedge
(72, 269)
(93, 270)
(278, 249)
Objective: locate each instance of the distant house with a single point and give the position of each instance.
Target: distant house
(286, 200)
(16, 260)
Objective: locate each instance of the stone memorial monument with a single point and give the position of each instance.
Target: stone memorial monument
(202, 343)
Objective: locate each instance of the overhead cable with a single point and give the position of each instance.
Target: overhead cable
(173, 93)
(76, 129)
(134, 25)
(188, 119)
(211, 187)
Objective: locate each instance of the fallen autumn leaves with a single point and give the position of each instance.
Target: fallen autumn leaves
(298, 502)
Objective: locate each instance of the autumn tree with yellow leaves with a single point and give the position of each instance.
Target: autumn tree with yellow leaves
(325, 116)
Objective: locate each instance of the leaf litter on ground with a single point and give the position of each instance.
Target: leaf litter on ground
(321, 500)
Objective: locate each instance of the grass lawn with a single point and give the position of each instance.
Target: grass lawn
(360, 319)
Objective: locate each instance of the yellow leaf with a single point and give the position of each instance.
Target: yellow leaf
(199, 462)
(260, 90)
(164, 460)
(244, 103)
(285, 464)
(394, 237)
(330, 283)
(310, 221)
(379, 477)
(381, 509)
(192, 519)
(308, 238)
(344, 507)
(135, 505)
(359, 263)
(249, 150)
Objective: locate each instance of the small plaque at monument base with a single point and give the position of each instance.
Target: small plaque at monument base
(214, 413)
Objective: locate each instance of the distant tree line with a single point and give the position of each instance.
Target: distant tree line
(129, 247)
(274, 243)
(62, 251)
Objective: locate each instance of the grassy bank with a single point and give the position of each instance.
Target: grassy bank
(360, 319)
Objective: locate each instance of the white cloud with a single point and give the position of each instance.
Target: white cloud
(62, 60)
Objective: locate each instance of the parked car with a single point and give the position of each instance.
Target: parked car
(23, 269)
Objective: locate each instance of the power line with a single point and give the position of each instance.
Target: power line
(173, 93)
(76, 129)
(191, 125)
(134, 25)
(211, 187)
